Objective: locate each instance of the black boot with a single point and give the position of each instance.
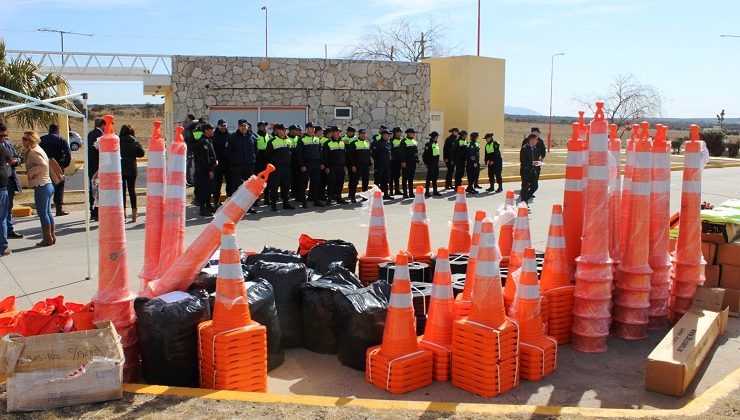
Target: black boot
(205, 211)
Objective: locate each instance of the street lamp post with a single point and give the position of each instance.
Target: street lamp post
(549, 128)
(265, 9)
(478, 28)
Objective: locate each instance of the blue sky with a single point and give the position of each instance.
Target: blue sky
(673, 45)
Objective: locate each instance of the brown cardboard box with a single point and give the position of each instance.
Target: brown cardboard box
(672, 365)
(709, 251)
(58, 370)
(728, 253)
(732, 300)
(712, 272)
(730, 277)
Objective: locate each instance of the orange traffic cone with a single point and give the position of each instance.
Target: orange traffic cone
(419, 245)
(462, 302)
(573, 194)
(593, 290)
(522, 239)
(537, 352)
(155, 178)
(688, 262)
(506, 233)
(627, 189)
(632, 297)
(460, 231)
(437, 336)
(173, 219)
(377, 250)
(181, 274)
(233, 348)
(485, 344)
(660, 257)
(555, 280)
(398, 365)
(615, 191)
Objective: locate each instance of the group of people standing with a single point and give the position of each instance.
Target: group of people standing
(531, 157)
(461, 155)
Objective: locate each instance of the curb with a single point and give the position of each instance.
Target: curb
(695, 407)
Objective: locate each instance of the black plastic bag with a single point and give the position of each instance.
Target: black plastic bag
(286, 280)
(205, 280)
(361, 318)
(322, 256)
(270, 254)
(319, 311)
(167, 329)
(262, 307)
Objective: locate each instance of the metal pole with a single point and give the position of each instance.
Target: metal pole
(86, 188)
(265, 9)
(549, 128)
(61, 34)
(478, 28)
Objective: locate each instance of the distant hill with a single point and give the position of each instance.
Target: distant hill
(516, 110)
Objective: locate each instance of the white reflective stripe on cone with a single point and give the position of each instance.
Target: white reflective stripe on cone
(178, 162)
(487, 268)
(556, 242)
(643, 160)
(442, 292)
(219, 219)
(400, 301)
(419, 217)
(692, 160)
(156, 160)
(242, 196)
(530, 265)
(556, 219)
(641, 188)
(473, 252)
(573, 185)
(662, 187)
(401, 272)
(228, 242)
(110, 198)
(528, 291)
(155, 189)
(573, 159)
(376, 221)
(520, 244)
(661, 160)
(110, 162)
(230, 271)
(598, 143)
(691, 187)
(599, 173)
(175, 191)
(459, 216)
(442, 265)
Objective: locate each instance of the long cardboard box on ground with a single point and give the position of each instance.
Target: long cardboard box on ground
(728, 253)
(712, 274)
(673, 363)
(732, 301)
(58, 370)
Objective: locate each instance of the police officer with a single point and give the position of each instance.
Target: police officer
(278, 154)
(220, 140)
(410, 151)
(377, 135)
(261, 160)
(460, 157)
(472, 163)
(350, 136)
(242, 152)
(296, 177)
(323, 184)
(540, 150)
(334, 161)
(430, 157)
(396, 158)
(448, 155)
(494, 162)
(358, 164)
(308, 156)
(195, 134)
(527, 157)
(381, 153)
(204, 158)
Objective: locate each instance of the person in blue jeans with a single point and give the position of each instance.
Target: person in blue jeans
(37, 170)
(14, 186)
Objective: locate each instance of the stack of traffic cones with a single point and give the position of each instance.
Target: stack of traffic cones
(632, 296)
(173, 219)
(573, 194)
(627, 189)
(593, 291)
(182, 272)
(438, 332)
(615, 191)
(377, 250)
(155, 178)
(114, 300)
(555, 280)
(485, 344)
(660, 257)
(688, 262)
(460, 230)
(233, 347)
(462, 302)
(398, 365)
(537, 352)
(522, 239)
(419, 245)
(506, 233)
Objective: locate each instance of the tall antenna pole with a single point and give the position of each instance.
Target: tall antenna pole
(61, 34)
(265, 9)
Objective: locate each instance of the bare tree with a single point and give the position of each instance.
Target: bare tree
(401, 41)
(627, 102)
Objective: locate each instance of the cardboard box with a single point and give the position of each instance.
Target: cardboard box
(58, 370)
(672, 365)
(709, 251)
(712, 272)
(728, 253)
(732, 300)
(730, 277)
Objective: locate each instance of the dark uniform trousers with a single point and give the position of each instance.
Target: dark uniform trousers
(311, 179)
(432, 175)
(280, 178)
(383, 177)
(362, 174)
(259, 166)
(494, 174)
(529, 183)
(450, 173)
(396, 174)
(459, 172)
(335, 180)
(473, 172)
(221, 174)
(238, 174)
(407, 179)
(203, 186)
(59, 196)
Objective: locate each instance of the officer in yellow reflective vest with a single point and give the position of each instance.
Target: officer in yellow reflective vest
(410, 153)
(294, 133)
(308, 157)
(430, 157)
(396, 158)
(323, 183)
(278, 154)
(358, 164)
(334, 161)
(494, 162)
(261, 161)
(461, 154)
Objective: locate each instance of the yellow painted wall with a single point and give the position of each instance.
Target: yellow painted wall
(470, 91)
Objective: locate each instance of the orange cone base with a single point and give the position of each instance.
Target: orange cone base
(544, 310)
(236, 355)
(591, 327)
(462, 307)
(683, 289)
(441, 353)
(489, 381)
(485, 345)
(400, 374)
(592, 308)
(369, 270)
(627, 315)
(588, 344)
(627, 331)
(508, 300)
(537, 360)
(227, 318)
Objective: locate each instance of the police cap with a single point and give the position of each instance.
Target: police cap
(410, 131)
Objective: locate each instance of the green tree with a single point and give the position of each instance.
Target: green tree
(24, 76)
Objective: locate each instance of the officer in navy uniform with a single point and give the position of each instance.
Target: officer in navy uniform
(461, 156)
(296, 178)
(278, 154)
(381, 153)
(396, 159)
(430, 157)
(448, 155)
(358, 163)
(472, 163)
(334, 162)
(220, 141)
(494, 163)
(410, 152)
(527, 156)
(307, 154)
(261, 160)
(204, 159)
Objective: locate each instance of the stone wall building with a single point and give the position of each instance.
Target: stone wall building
(293, 90)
